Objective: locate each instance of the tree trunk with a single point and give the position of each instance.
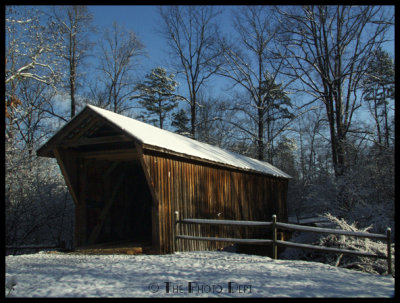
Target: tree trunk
(386, 121)
(72, 91)
(72, 75)
(378, 127)
(260, 138)
(193, 117)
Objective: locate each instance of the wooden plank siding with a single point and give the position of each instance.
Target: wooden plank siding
(195, 189)
(70, 167)
(200, 190)
(96, 148)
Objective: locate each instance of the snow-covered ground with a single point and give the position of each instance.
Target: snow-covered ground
(189, 274)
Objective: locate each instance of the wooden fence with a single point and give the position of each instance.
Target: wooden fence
(275, 242)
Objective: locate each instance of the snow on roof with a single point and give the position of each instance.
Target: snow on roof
(154, 136)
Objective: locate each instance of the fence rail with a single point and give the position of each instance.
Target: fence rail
(247, 241)
(275, 242)
(329, 231)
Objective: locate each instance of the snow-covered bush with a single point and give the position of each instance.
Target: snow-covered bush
(372, 265)
(38, 207)
(363, 199)
(366, 264)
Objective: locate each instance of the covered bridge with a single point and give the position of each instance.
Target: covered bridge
(127, 179)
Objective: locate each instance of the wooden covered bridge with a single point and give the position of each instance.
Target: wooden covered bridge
(127, 179)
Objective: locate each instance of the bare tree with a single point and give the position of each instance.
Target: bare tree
(252, 65)
(32, 43)
(33, 187)
(33, 115)
(326, 49)
(75, 25)
(118, 56)
(214, 119)
(192, 34)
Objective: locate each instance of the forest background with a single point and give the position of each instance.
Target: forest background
(309, 89)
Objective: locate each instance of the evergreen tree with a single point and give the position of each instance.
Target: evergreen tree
(275, 108)
(378, 87)
(180, 122)
(157, 94)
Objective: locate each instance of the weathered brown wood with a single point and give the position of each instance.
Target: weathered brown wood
(195, 187)
(226, 222)
(149, 172)
(185, 157)
(56, 141)
(83, 141)
(274, 238)
(109, 170)
(96, 231)
(84, 126)
(230, 240)
(330, 231)
(275, 242)
(117, 154)
(206, 191)
(67, 160)
(80, 230)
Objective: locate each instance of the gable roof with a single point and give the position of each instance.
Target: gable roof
(152, 137)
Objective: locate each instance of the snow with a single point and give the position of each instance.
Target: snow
(186, 274)
(154, 136)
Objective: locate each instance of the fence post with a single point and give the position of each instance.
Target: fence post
(274, 238)
(389, 252)
(176, 231)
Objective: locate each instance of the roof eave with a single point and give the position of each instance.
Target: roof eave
(198, 159)
(46, 149)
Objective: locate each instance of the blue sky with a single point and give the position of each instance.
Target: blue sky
(145, 20)
(142, 19)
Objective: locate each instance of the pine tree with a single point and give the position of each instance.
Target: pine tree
(180, 122)
(157, 94)
(274, 108)
(378, 87)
